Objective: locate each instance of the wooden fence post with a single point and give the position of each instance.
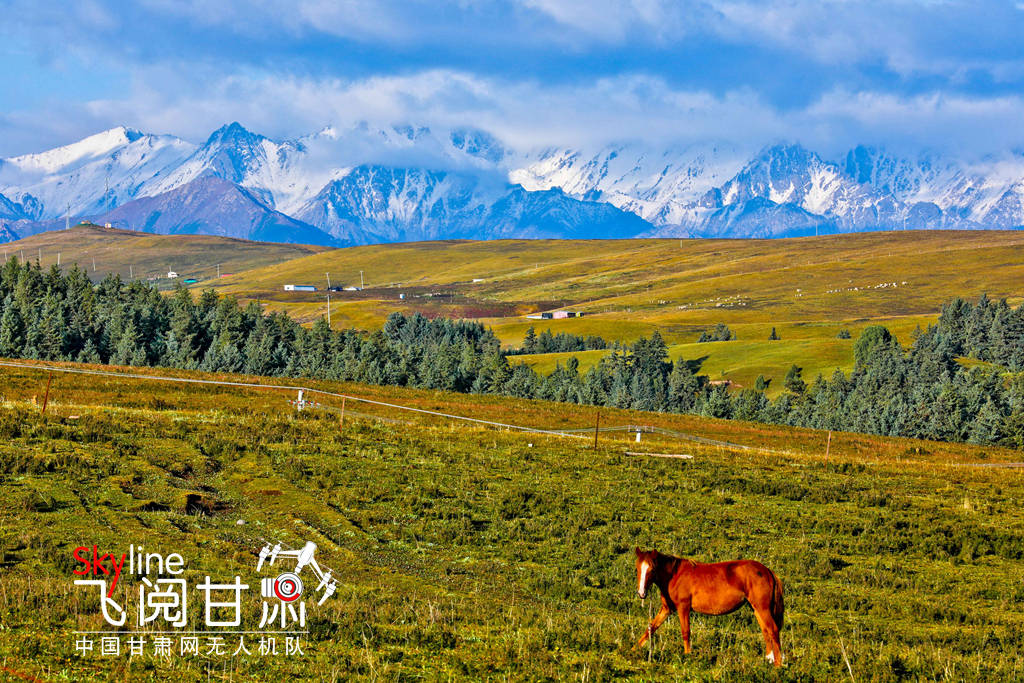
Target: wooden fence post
(828, 446)
(341, 423)
(46, 395)
(597, 427)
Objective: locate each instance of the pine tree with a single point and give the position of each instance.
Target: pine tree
(793, 381)
(52, 330)
(11, 331)
(182, 348)
(987, 427)
(127, 345)
(716, 403)
(875, 342)
(89, 354)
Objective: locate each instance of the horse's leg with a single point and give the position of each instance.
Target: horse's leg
(659, 619)
(684, 623)
(770, 631)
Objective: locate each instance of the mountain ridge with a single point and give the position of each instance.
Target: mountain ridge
(368, 184)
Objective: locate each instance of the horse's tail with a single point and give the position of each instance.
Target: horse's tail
(777, 606)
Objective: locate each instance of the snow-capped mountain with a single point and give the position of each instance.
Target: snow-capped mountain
(92, 175)
(210, 205)
(985, 193)
(270, 170)
(656, 184)
(787, 189)
(381, 203)
(376, 184)
(7, 233)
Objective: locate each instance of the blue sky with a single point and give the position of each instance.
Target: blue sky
(828, 73)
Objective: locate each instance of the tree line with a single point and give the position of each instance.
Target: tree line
(962, 379)
(562, 342)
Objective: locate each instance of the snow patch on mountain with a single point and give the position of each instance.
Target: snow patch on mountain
(656, 184)
(92, 175)
(381, 203)
(211, 205)
(366, 183)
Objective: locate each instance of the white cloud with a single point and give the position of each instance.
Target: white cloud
(969, 126)
(528, 114)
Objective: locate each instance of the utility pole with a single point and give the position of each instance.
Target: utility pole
(40, 259)
(361, 280)
(94, 264)
(328, 310)
(131, 272)
(328, 282)
(67, 218)
(218, 271)
(58, 259)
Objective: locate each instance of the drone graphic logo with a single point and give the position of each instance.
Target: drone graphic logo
(287, 587)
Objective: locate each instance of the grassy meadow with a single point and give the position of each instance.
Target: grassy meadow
(808, 289)
(468, 552)
(101, 251)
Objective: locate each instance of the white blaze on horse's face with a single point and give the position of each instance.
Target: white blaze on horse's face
(641, 588)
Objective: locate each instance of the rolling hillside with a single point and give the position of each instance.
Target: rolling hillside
(453, 549)
(124, 252)
(808, 289)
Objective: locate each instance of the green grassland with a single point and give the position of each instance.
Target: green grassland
(466, 552)
(808, 288)
(124, 252)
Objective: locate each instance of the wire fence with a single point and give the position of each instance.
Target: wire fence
(286, 387)
(650, 429)
(580, 433)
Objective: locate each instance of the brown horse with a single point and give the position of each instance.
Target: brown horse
(717, 588)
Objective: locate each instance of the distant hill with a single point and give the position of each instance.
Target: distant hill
(109, 250)
(808, 288)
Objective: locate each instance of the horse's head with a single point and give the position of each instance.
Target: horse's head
(645, 562)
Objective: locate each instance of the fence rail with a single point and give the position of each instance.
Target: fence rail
(581, 433)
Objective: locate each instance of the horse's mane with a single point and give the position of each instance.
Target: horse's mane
(672, 559)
